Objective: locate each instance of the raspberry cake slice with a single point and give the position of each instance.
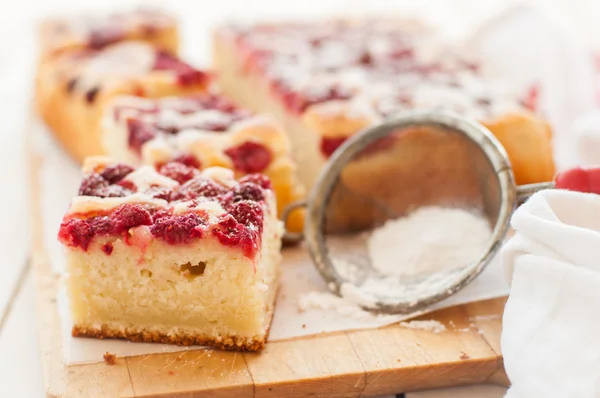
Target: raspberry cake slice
(326, 80)
(202, 131)
(99, 30)
(190, 260)
(73, 87)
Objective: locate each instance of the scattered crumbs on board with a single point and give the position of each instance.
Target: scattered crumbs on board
(464, 356)
(110, 359)
(430, 325)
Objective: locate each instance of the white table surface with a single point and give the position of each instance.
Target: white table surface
(20, 370)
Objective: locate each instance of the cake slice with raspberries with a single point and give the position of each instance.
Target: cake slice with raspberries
(327, 80)
(98, 30)
(203, 131)
(183, 257)
(73, 87)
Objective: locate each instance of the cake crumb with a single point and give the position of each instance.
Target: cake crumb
(110, 359)
(171, 372)
(464, 356)
(430, 325)
(304, 326)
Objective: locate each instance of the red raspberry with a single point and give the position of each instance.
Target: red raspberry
(128, 216)
(186, 74)
(248, 191)
(116, 173)
(248, 213)
(188, 160)
(92, 184)
(102, 225)
(139, 134)
(249, 157)
(178, 229)
(258, 179)
(75, 232)
(201, 187)
(178, 172)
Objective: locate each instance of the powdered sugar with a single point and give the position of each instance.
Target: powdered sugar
(414, 257)
(429, 240)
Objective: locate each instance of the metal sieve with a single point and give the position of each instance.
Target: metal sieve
(389, 170)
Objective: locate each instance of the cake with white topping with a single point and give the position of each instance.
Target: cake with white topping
(74, 87)
(203, 131)
(327, 80)
(177, 256)
(98, 30)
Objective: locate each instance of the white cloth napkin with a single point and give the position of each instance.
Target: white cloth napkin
(551, 331)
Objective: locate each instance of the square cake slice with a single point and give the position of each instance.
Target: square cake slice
(191, 260)
(73, 87)
(327, 80)
(201, 131)
(98, 30)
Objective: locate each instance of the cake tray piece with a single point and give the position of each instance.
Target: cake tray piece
(98, 30)
(73, 87)
(203, 130)
(327, 80)
(185, 258)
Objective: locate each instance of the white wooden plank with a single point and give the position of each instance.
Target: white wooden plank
(20, 369)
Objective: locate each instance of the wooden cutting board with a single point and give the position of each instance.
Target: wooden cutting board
(366, 363)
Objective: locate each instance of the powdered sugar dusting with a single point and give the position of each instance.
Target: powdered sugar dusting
(429, 240)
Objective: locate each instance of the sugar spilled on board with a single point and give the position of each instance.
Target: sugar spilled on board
(430, 244)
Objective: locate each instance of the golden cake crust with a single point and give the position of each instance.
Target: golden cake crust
(229, 343)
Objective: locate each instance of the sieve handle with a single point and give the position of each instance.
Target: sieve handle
(579, 179)
(525, 191)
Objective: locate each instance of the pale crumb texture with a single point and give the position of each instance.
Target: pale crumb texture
(429, 325)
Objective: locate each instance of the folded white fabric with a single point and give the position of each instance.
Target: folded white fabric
(551, 328)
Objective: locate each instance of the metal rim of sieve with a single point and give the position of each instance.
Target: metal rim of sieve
(319, 197)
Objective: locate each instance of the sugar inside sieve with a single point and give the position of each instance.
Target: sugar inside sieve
(408, 212)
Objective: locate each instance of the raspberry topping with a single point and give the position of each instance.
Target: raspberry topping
(102, 225)
(96, 185)
(258, 179)
(92, 184)
(329, 145)
(201, 187)
(116, 173)
(231, 233)
(178, 229)
(163, 193)
(76, 232)
(128, 216)
(248, 191)
(186, 75)
(139, 133)
(239, 226)
(178, 172)
(247, 213)
(298, 102)
(249, 157)
(103, 37)
(107, 248)
(189, 160)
